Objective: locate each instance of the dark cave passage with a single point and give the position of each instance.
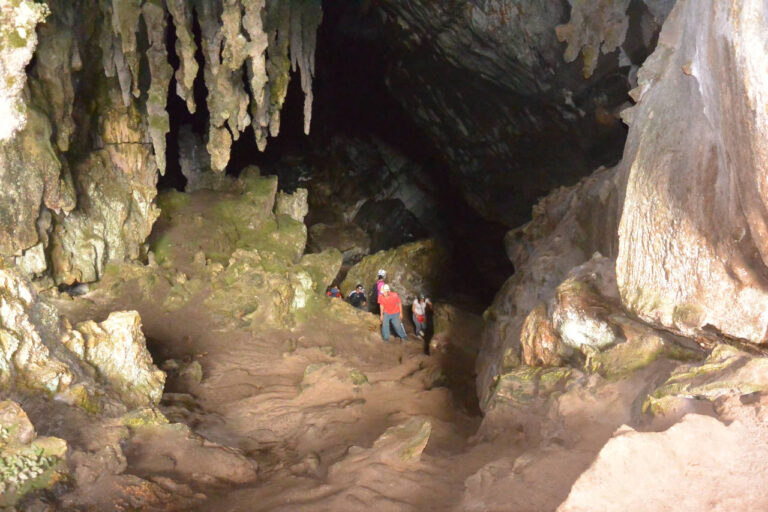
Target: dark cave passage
(369, 162)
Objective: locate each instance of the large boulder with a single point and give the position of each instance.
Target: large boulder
(101, 367)
(418, 267)
(658, 471)
(694, 232)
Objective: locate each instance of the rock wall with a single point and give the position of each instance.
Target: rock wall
(683, 215)
(87, 120)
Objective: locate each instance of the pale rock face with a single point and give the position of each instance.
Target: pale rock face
(643, 470)
(117, 349)
(694, 234)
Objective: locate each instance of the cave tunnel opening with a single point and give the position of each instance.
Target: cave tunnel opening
(359, 133)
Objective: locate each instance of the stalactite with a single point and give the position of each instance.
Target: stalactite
(181, 13)
(54, 68)
(278, 28)
(227, 99)
(154, 15)
(257, 68)
(594, 26)
(265, 38)
(125, 24)
(306, 17)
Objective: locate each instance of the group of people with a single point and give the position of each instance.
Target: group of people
(390, 307)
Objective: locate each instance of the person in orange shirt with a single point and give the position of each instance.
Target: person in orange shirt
(391, 311)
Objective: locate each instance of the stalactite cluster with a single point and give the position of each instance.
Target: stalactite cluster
(261, 40)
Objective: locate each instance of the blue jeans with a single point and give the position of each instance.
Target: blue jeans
(396, 323)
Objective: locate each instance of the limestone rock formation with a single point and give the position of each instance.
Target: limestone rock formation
(418, 267)
(76, 199)
(294, 205)
(568, 226)
(693, 243)
(18, 40)
(242, 243)
(31, 355)
(117, 349)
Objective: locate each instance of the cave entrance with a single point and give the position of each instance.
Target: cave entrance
(365, 162)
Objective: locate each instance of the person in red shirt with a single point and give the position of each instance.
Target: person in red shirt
(391, 311)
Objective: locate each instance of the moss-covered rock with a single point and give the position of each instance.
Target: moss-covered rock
(524, 385)
(27, 463)
(726, 371)
(323, 267)
(418, 267)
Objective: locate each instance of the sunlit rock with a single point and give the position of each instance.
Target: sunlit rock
(117, 349)
(699, 463)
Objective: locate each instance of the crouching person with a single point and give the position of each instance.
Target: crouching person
(391, 311)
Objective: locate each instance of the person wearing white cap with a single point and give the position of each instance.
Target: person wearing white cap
(391, 311)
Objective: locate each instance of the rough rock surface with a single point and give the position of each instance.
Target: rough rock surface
(568, 226)
(418, 267)
(693, 245)
(503, 102)
(75, 199)
(656, 471)
(18, 40)
(27, 462)
(117, 349)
